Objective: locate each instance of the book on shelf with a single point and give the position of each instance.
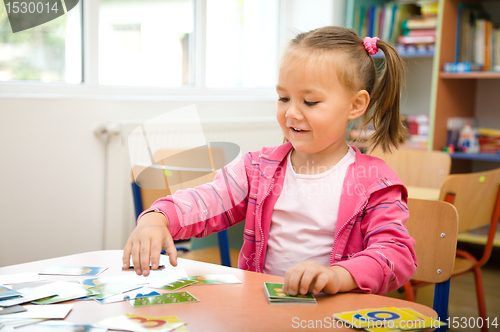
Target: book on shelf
(420, 22)
(416, 39)
(428, 7)
(419, 32)
(477, 38)
(382, 20)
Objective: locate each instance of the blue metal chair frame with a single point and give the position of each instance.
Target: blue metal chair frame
(222, 238)
(440, 304)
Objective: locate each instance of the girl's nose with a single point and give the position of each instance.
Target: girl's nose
(293, 112)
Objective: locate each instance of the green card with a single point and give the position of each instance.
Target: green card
(175, 285)
(110, 289)
(166, 298)
(215, 279)
(275, 295)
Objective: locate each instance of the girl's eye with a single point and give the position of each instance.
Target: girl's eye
(310, 103)
(283, 99)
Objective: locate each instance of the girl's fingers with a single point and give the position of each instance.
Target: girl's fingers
(145, 255)
(126, 255)
(293, 281)
(306, 281)
(136, 258)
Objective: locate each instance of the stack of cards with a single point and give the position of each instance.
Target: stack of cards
(275, 295)
(388, 319)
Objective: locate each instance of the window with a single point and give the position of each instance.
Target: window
(242, 43)
(146, 43)
(51, 52)
(200, 46)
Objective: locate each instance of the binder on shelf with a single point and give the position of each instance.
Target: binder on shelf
(461, 67)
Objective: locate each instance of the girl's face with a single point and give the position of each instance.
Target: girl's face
(314, 108)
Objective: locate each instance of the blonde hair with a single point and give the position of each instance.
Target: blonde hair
(356, 69)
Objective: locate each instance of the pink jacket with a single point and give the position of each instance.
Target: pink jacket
(371, 241)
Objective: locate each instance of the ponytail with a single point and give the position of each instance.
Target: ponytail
(383, 109)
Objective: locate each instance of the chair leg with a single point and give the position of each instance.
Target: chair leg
(481, 301)
(441, 299)
(225, 258)
(409, 292)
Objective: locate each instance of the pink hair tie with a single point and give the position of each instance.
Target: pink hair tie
(371, 44)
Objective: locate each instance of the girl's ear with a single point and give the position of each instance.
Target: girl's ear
(359, 104)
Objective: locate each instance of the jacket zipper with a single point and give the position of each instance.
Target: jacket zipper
(260, 227)
(332, 258)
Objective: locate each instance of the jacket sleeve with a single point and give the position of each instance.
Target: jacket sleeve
(208, 208)
(388, 259)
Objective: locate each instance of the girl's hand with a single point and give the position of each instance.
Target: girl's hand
(146, 241)
(311, 277)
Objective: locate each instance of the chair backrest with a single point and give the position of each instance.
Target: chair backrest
(152, 184)
(418, 168)
(475, 197)
(434, 226)
(180, 169)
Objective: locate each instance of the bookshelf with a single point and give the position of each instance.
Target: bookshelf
(473, 94)
(462, 95)
(459, 94)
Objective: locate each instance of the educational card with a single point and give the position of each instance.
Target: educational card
(67, 291)
(384, 319)
(11, 324)
(54, 311)
(131, 264)
(133, 294)
(110, 289)
(59, 326)
(166, 298)
(6, 293)
(74, 270)
(32, 294)
(155, 277)
(11, 310)
(176, 284)
(215, 279)
(275, 295)
(140, 323)
(17, 278)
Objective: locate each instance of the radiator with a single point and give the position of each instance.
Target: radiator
(133, 142)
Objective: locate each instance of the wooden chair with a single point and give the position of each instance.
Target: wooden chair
(476, 197)
(477, 200)
(418, 168)
(434, 226)
(161, 180)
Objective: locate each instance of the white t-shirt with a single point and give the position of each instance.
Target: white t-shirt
(304, 217)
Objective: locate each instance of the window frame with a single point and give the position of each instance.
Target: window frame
(90, 87)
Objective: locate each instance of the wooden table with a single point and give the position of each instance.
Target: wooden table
(230, 307)
(423, 193)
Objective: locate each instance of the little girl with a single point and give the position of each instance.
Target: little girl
(316, 210)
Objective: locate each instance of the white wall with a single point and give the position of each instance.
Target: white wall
(52, 169)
